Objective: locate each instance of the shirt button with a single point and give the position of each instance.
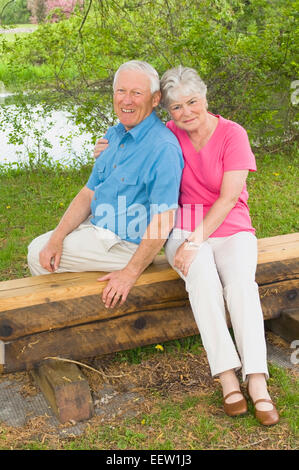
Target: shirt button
(122, 179)
(122, 146)
(114, 166)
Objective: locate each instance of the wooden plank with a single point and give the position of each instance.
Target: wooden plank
(287, 325)
(127, 331)
(164, 295)
(56, 287)
(65, 389)
(35, 290)
(284, 270)
(279, 296)
(98, 338)
(2, 353)
(278, 248)
(63, 286)
(61, 314)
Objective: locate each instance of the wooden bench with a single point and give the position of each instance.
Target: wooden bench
(63, 314)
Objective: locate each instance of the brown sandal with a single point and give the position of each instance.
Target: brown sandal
(267, 418)
(236, 408)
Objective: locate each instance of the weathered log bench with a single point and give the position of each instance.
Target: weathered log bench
(62, 315)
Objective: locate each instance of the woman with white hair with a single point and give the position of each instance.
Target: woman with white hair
(213, 245)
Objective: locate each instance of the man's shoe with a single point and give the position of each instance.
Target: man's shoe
(236, 408)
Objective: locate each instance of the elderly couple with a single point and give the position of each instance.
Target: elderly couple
(183, 183)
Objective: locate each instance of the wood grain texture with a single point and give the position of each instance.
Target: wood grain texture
(65, 389)
(63, 314)
(98, 338)
(36, 290)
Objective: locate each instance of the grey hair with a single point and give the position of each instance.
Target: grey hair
(181, 81)
(141, 67)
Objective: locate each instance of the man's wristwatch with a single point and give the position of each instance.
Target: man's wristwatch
(196, 245)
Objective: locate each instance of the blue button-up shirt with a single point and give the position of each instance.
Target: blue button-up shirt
(137, 176)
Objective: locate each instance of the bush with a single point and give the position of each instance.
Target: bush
(14, 12)
(245, 51)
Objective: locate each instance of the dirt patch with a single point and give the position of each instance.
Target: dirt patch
(163, 373)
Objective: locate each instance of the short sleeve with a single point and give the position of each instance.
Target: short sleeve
(237, 153)
(164, 180)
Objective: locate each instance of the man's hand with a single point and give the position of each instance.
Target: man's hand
(184, 257)
(118, 287)
(49, 256)
(100, 146)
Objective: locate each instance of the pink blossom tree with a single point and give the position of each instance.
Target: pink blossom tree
(40, 9)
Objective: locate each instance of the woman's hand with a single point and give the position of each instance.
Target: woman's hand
(184, 257)
(100, 146)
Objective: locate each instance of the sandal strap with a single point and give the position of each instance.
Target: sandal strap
(265, 400)
(232, 393)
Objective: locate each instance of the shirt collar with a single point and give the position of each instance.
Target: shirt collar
(140, 130)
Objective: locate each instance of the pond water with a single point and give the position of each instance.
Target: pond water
(65, 141)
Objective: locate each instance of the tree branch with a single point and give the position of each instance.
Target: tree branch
(1, 14)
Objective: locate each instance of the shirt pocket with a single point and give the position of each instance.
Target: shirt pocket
(128, 179)
(126, 185)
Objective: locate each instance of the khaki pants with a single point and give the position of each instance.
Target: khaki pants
(87, 248)
(224, 268)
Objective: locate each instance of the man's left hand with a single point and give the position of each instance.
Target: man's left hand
(118, 287)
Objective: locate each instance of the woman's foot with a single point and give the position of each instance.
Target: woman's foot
(234, 402)
(265, 411)
(235, 408)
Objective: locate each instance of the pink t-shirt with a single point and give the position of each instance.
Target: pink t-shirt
(227, 149)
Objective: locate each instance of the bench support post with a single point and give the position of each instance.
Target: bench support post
(65, 389)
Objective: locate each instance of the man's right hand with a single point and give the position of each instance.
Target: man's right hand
(49, 256)
(100, 146)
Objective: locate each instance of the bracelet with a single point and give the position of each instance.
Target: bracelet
(191, 243)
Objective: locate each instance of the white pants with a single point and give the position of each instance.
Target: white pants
(87, 248)
(224, 268)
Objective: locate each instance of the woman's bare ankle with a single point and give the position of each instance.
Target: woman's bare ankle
(230, 383)
(257, 389)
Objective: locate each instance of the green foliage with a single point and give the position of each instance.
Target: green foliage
(14, 12)
(245, 50)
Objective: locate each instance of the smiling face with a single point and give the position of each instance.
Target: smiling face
(189, 112)
(132, 99)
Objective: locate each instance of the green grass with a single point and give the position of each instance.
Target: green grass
(18, 77)
(196, 422)
(32, 202)
(185, 421)
(273, 194)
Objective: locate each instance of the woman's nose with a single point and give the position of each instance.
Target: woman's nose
(186, 111)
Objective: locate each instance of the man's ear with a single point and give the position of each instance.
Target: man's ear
(156, 98)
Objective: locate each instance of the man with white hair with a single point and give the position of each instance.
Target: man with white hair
(121, 218)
